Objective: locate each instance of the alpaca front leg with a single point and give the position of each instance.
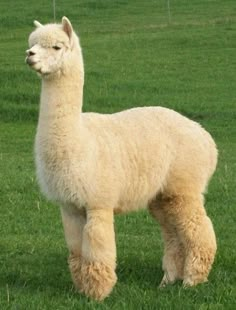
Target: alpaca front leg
(74, 221)
(98, 276)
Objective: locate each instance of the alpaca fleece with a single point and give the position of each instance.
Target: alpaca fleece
(95, 165)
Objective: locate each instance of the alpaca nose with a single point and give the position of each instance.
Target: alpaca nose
(30, 53)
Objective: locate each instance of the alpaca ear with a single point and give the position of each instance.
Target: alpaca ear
(37, 24)
(67, 27)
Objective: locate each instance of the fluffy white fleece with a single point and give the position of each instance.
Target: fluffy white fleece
(95, 165)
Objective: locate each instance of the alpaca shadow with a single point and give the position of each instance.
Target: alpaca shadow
(49, 272)
(35, 272)
(147, 273)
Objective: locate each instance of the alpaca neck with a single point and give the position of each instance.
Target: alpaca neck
(61, 97)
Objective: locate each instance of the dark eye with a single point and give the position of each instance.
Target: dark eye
(56, 47)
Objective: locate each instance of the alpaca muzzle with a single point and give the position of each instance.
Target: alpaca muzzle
(28, 58)
(29, 61)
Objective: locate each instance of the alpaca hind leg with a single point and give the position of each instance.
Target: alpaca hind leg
(98, 276)
(197, 235)
(173, 259)
(73, 222)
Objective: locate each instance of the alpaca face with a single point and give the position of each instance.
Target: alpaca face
(50, 48)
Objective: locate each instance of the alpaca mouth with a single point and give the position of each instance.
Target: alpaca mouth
(29, 61)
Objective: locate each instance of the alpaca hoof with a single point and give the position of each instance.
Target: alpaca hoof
(191, 282)
(166, 281)
(95, 280)
(188, 283)
(75, 268)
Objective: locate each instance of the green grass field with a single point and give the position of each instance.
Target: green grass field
(134, 56)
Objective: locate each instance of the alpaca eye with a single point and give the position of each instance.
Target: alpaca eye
(56, 48)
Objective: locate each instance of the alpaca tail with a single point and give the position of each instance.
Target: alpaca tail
(213, 155)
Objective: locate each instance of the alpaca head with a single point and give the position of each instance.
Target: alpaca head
(54, 49)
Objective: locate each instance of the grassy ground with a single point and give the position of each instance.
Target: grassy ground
(134, 55)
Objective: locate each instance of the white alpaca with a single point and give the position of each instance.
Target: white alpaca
(96, 165)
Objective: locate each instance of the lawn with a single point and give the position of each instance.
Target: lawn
(135, 55)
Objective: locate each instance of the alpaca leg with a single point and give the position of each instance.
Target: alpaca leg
(98, 276)
(74, 221)
(173, 259)
(197, 235)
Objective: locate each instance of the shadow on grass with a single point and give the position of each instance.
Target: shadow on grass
(145, 273)
(49, 272)
(36, 272)
(46, 275)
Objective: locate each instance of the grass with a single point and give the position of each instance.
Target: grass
(133, 57)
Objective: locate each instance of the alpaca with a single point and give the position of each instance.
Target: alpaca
(95, 165)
